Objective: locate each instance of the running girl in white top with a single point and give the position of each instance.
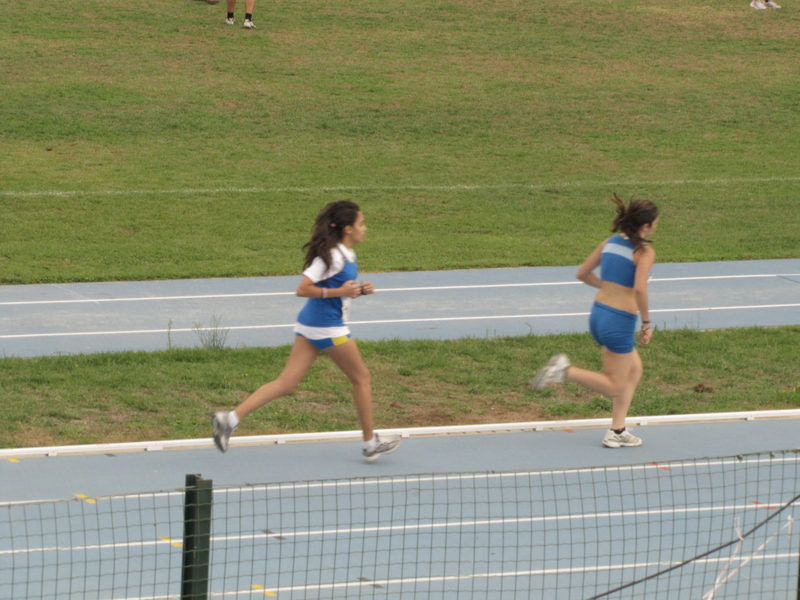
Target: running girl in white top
(330, 283)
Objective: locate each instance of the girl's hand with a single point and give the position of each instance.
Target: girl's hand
(351, 289)
(646, 334)
(366, 288)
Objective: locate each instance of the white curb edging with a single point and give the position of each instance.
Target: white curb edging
(12, 453)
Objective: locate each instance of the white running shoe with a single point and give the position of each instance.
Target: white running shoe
(229, 21)
(626, 438)
(383, 445)
(248, 24)
(771, 4)
(758, 5)
(222, 430)
(553, 372)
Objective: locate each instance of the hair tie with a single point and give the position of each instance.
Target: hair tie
(333, 224)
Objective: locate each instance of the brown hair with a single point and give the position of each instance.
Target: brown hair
(630, 219)
(329, 230)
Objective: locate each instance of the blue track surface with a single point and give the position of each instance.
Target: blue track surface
(44, 320)
(563, 533)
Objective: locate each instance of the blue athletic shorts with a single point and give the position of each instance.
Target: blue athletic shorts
(327, 342)
(613, 328)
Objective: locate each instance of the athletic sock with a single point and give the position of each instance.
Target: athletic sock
(230, 15)
(233, 420)
(370, 444)
(618, 431)
(248, 16)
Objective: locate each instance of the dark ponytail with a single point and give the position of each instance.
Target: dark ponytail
(631, 219)
(329, 230)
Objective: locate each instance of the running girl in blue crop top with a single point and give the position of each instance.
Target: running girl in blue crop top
(329, 283)
(625, 261)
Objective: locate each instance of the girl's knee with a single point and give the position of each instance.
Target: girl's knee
(636, 372)
(287, 387)
(618, 390)
(361, 377)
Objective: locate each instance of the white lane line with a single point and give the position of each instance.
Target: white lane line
(400, 188)
(248, 592)
(145, 299)
(479, 522)
(390, 321)
(382, 290)
(416, 527)
(415, 581)
(710, 308)
(395, 481)
(502, 574)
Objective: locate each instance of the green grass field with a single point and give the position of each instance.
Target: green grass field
(149, 140)
(474, 133)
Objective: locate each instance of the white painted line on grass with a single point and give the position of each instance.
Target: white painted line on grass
(399, 188)
(387, 321)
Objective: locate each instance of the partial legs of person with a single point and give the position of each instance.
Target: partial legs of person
(301, 357)
(249, 5)
(348, 358)
(620, 377)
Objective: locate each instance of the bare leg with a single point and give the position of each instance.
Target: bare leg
(302, 356)
(249, 5)
(231, 5)
(621, 375)
(632, 371)
(348, 358)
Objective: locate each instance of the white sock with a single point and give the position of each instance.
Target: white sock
(370, 444)
(233, 420)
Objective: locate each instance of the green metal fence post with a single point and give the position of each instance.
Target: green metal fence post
(196, 538)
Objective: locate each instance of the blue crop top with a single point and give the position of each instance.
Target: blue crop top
(616, 262)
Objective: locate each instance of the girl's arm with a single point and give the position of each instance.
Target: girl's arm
(308, 289)
(644, 262)
(586, 270)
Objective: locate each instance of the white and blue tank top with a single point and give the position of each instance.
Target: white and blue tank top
(329, 312)
(616, 261)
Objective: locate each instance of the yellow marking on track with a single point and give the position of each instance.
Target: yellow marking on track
(86, 498)
(13, 460)
(255, 586)
(173, 542)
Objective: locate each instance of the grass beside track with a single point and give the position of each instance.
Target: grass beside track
(118, 397)
(148, 140)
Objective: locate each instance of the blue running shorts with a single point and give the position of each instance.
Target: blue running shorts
(613, 328)
(328, 342)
